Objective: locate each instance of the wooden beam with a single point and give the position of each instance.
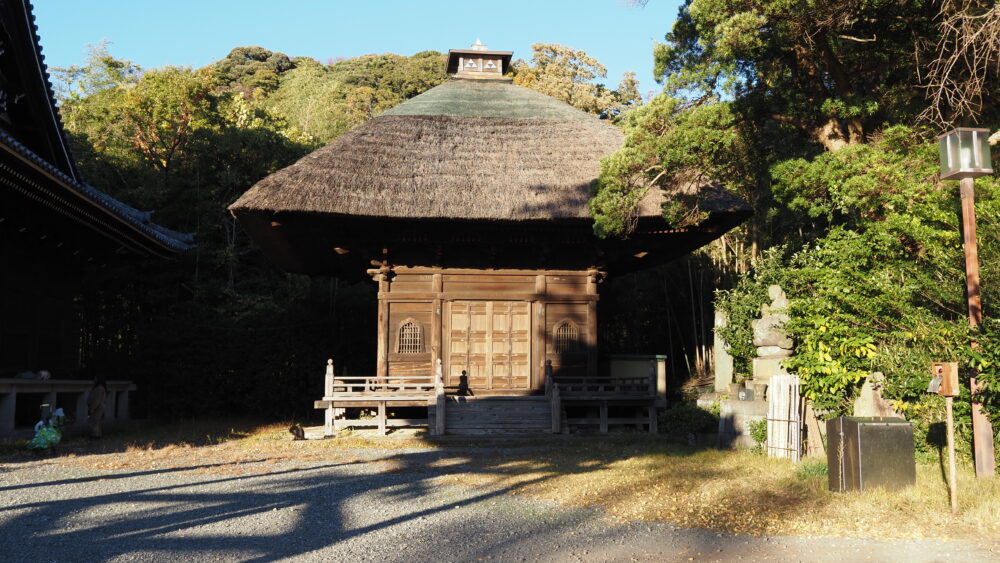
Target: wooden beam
(371, 422)
(488, 295)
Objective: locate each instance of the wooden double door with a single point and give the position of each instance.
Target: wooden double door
(490, 342)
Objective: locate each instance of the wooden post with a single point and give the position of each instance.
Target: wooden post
(541, 341)
(439, 413)
(436, 325)
(653, 422)
(381, 418)
(604, 418)
(951, 457)
(328, 396)
(538, 351)
(982, 431)
(555, 402)
(592, 280)
(383, 324)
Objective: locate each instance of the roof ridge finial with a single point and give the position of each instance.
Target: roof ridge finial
(479, 46)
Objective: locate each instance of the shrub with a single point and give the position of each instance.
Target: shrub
(686, 418)
(758, 431)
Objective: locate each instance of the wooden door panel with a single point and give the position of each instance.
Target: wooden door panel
(491, 342)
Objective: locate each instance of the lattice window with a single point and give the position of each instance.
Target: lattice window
(411, 338)
(567, 337)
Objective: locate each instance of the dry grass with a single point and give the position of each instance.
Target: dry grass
(631, 477)
(741, 493)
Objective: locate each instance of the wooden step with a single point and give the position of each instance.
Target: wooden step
(497, 415)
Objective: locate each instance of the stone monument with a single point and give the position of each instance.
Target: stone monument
(723, 360)
(769, 336)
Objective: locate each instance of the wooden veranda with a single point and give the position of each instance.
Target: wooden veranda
(451, 410)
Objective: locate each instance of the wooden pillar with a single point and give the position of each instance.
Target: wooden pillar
(436, 325)
(592, 280)
(383, 324)
(982, 430)
(439, 405)
(604, 418)
(555, 402)
(538, 344)
(328, 396)
(381, 418)
(653, 427)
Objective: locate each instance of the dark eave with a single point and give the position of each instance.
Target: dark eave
(36, 163)
(35, 178)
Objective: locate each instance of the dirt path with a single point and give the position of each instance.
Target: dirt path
(363, 505)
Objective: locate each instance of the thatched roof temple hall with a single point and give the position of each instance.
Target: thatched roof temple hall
(467, 205)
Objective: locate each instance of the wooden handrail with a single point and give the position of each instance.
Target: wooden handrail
(606, 385)
(354, 385)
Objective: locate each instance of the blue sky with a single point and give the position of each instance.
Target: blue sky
(195, 33)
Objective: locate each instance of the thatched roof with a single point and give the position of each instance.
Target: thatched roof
(467, 149)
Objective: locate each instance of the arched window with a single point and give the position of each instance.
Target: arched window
(411, 338)
(567, 337)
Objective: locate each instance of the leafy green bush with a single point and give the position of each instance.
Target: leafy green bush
(758, 431)
(986, 359)
(686, 418)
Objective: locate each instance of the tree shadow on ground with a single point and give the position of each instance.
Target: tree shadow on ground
(339, 507)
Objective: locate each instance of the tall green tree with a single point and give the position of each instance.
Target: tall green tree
(248, 69)
(569, 75)
(835, 69)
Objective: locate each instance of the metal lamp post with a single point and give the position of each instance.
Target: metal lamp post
(965, 155)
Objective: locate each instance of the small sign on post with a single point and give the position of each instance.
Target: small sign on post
(944, 381)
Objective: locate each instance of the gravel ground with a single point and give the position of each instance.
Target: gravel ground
(359, 511)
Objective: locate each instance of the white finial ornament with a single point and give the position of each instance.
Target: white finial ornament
(478, 46)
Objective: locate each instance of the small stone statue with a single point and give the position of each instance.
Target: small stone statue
(769, 334)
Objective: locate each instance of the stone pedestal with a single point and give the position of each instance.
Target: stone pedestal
(765, 368)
